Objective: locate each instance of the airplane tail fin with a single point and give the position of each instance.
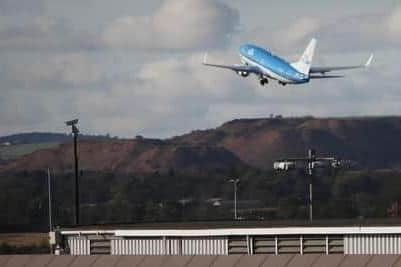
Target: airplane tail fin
(305, 62)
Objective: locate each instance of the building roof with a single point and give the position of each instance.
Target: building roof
(241, 224)
(243, 231)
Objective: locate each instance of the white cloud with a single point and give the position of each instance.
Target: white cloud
(164, 98)
(394, 22)
(365, 32)
(160, 94)
(177, 24)
(70, 69)
(172, 96)
(301, 30)
(21, 7)
(43, 33)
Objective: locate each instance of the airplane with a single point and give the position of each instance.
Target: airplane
(265, 65)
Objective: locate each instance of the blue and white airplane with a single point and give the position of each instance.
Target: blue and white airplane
(267, 66)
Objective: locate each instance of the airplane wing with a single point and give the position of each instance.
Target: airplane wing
(236, 68)
(329, 69)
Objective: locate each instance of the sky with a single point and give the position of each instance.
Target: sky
(128, 67)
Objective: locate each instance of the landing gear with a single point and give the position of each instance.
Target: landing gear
(264, 81)
(283, 84)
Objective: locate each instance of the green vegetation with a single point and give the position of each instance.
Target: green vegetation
(174, 196)
(187, 176)
(18, 145)
(16, 151)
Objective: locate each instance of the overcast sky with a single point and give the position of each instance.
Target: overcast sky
(128, 67)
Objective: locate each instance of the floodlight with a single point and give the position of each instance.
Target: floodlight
(71, 122)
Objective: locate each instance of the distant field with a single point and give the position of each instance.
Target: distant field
(24, 239)
(16, 151)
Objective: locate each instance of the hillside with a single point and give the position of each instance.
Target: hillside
(15, 146)
(373, 142)
(34, 138)
(38, 137)
(147, 180)
(128, 156)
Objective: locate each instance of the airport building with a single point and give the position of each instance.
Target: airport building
(354, 240)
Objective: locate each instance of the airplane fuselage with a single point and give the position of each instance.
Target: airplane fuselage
(266, 66)
(273, 67)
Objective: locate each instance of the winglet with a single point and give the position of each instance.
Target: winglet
(204, 59)
(369, 62)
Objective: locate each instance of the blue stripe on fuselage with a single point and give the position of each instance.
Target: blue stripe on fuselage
(275, 64)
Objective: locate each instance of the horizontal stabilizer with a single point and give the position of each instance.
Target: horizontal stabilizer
(323, 70)
(325, 76)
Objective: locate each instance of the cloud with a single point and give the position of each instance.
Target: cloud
(49, 72)
(359, 94)
(65, 70)
(177, 24)
(21, 7)
(43, 33)
(373, 32)
(361, 33)
(393, 22)
(164, 98)
(303, 28)
(167, 97)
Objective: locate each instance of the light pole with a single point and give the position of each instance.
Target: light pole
(49, 199)
(311, 163)
(50, 207)
(235, 183)
(75, 132)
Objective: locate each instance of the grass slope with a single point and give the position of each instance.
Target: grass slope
(16, 151)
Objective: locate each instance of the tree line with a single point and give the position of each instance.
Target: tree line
(179, 197)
